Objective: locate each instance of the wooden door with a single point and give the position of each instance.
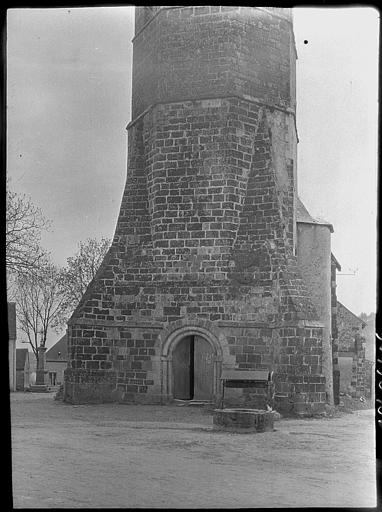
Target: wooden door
(181, 363)
(203, 369)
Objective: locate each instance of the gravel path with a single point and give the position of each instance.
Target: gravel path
(168, 457)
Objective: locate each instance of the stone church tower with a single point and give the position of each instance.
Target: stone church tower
(202, 274)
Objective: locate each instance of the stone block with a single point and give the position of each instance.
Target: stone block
(243, 420)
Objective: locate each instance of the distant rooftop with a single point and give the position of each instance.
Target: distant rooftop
(304, 217)
(340, 305)
(59, 351)
(336, 262)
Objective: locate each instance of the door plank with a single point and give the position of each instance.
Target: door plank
(203, 369)
(181, 369)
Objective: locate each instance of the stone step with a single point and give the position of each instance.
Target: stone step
(53, 388)
(191, 403)
(243, 420)
(38, 388)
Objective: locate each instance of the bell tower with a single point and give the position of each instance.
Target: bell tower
(206, 233)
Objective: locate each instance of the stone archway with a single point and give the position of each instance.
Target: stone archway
(173, 342)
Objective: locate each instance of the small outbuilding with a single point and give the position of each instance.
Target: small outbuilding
(56, 360)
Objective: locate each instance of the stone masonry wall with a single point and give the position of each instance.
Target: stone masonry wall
(351, 343)
(349, 328)
(212, 51)
(205, 236)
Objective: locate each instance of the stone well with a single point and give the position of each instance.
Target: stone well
(243, 420)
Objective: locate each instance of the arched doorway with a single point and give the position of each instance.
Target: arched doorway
(193, 360)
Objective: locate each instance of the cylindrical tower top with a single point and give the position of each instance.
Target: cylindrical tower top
(183, 52)
(143, 14)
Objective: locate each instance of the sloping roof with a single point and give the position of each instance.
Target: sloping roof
(12, 320)
(21, 357)
(340, 305)
(59, 351)
(335, 261)
(304, 217)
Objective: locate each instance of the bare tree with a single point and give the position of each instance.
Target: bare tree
(79, 272)
(39, 302)
(24, 223)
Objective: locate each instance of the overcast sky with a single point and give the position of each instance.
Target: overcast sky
(69, 94)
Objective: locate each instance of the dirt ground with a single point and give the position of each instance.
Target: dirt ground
(124, 456)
